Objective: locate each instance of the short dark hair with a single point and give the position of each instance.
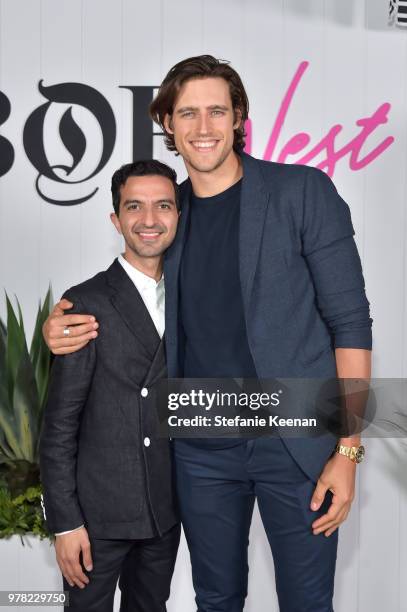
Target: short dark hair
(199, 67)
(143, 167)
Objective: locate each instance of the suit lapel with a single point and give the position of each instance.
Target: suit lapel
(158, 368)
(253, 209)
(127, 301)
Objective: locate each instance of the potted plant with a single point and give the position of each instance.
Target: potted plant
(24, 376)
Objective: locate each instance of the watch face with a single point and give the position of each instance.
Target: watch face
(360, 453)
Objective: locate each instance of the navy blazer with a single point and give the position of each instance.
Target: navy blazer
(301, 278)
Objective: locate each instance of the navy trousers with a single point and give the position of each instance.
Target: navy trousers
(216, 493)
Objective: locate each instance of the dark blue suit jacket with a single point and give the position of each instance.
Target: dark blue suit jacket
(301, 278)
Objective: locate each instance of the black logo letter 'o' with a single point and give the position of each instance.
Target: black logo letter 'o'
(71, 134)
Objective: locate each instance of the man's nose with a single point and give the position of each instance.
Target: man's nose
(204, 124)
(149, 217)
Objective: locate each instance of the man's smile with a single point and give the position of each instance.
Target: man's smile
(204, 146)
(148, 236)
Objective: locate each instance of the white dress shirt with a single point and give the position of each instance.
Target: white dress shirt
(152, 293)
(153, 296)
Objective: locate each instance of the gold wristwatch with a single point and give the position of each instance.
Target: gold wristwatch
(354, 453)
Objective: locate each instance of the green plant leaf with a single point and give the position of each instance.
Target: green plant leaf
(22, 515)
(24, 379)
(9, 428)
(6, 452)
(3, 336)
(26, 407)
(15, 346)
(3, 329)
(33, 493)
(20, 317)
(39, 352)
(4, 396)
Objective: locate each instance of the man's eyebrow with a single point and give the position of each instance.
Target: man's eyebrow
(217, 106)
(159, 201)
(165, 201)
(184, 109)
(133, 201)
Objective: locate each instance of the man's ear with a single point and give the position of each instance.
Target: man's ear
(168, 124)
(115, 220)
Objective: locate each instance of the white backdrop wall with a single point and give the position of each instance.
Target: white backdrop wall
(356, 64)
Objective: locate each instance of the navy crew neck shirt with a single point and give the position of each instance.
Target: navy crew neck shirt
(212, 316)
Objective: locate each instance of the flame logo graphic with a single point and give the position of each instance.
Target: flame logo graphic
(73, 139)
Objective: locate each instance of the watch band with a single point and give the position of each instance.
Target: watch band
(354, 453)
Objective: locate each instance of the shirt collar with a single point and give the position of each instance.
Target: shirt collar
(141, 280)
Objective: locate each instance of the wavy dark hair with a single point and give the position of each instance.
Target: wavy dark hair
(142, 167)
(199, 67)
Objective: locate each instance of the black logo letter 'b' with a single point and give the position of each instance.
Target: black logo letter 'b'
(6, 150)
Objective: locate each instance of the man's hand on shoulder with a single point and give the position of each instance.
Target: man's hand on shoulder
(82, 328)
(68, 548)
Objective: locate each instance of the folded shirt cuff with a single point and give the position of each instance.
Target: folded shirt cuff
(69, 531)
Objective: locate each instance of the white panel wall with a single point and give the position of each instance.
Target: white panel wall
(355, 64)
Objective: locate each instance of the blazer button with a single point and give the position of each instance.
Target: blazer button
(147, 441)
(144, 392)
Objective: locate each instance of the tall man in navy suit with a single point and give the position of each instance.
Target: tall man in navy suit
(263, 280)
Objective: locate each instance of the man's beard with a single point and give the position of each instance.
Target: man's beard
(223, 157)
(209, 169)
